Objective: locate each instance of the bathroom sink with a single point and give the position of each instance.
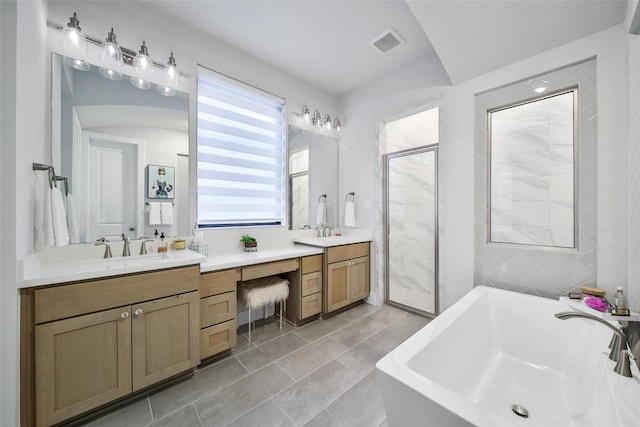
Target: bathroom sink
(123, 262)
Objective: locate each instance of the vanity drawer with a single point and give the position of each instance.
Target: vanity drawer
(341, 253)
(217, 338)
(311, 304)
(311, 283)
(269, 269)
(218, 282)
(59, 302)
(311, 264)
(217, 308)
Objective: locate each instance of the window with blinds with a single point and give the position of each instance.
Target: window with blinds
(241, 153)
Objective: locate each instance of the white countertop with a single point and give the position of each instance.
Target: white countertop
(49, 273)
(73, 264)
(326, 242)
(92, 268)
(221, 262)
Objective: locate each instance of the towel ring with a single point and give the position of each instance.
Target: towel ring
(322, 198)
(352, 195)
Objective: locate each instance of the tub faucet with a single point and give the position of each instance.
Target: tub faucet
(619, 351)
(126, 251)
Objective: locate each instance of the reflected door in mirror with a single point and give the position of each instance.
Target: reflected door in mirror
(112, 187)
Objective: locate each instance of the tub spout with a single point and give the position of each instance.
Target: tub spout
(619, 352)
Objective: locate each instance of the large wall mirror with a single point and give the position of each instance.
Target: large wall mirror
(313, 179)
(108, 137)
(532, 197)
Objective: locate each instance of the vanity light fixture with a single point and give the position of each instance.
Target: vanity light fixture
(75, 44)
(111, 58)
(317, 121)
(143, 67)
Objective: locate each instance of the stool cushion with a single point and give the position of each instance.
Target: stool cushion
(264, 291)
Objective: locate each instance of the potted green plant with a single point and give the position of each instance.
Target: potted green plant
(250, 243)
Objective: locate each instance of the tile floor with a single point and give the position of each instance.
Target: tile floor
(319, 374)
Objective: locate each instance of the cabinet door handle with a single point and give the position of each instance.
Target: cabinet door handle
(125, 315)
(138, 312)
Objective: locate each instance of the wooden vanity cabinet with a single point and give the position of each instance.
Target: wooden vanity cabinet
(86, 344)
(348, 275)
(305, 290)
(218, 310)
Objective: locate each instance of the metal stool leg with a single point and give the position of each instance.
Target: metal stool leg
(281, 314)
(249, 323)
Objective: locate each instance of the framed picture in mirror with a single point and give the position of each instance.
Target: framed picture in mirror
(160, 182)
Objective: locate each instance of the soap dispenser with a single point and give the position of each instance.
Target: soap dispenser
(162, 246)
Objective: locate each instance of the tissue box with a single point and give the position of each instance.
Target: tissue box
(201, 248)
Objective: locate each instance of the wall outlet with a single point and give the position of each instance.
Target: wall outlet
(367, 204)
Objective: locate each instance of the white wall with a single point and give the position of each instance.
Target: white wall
(358, 155)
(23, 142)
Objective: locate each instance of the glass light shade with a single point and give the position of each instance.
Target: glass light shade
(140, 83)
(337, 125)
(143, 69)
(111, 58)
(166, 91)
(169, 78)
(305, 113)
(75, 45)
(317, 120)
(327, 121)
(78, 64)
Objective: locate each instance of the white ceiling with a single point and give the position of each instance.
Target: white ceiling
(327, 42)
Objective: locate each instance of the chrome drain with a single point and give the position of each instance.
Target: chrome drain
(520, 410)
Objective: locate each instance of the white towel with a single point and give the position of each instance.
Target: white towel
(38, 218)
(349, 214)
(72, 222)
(321, 213)
(47, 221)
(166, 213)
(60, 231)
(154, 214)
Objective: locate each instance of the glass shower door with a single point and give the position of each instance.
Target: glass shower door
(411, 223)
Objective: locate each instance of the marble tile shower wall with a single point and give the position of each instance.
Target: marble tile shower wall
(411, 227)
(532, 173)
(634, 172)
(540, 271)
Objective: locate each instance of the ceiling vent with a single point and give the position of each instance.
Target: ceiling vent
(387, 41)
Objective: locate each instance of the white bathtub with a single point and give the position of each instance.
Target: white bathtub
(496, 348)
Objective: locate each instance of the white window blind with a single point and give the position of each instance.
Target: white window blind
(241, 153)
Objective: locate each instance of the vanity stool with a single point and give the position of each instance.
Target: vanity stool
(261, 292)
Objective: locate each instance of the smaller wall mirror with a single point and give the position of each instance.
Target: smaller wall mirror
(532, 197)
(313, 179)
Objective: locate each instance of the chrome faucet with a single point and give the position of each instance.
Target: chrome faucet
(324, 231)
(143, 247)
(107, 248)
(619, 351)
(126, 250)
